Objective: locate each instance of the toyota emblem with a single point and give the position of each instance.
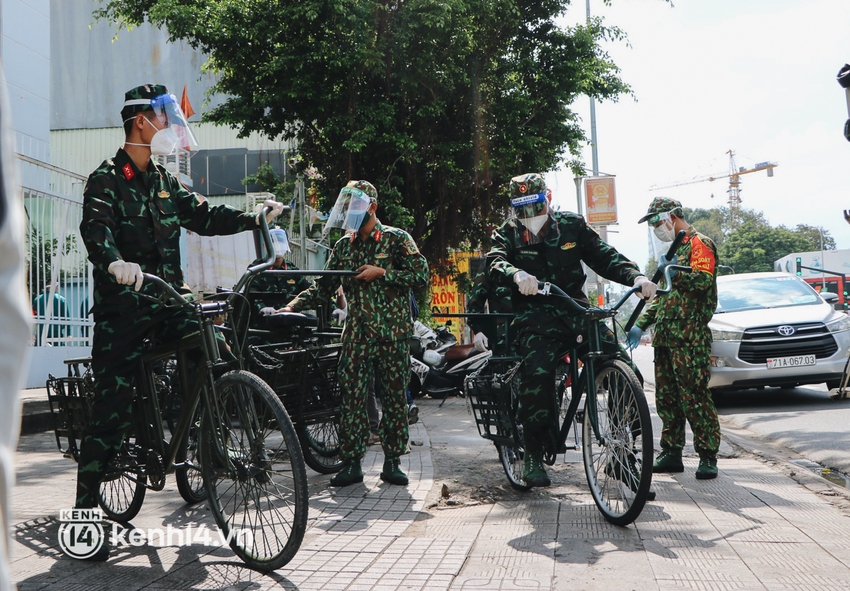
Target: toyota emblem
(786, 331)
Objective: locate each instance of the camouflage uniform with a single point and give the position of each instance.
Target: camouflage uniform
(376, 337)
(546, 327)
(135, 216)
(487, 296)
(682, 345)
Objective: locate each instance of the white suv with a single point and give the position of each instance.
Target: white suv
(773, 329)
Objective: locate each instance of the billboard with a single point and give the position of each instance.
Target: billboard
(601, 200)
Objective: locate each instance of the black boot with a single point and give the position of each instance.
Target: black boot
(351, 473)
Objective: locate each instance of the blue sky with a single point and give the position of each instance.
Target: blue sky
(753, 76)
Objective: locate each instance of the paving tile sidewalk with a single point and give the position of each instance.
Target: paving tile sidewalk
(754, 527)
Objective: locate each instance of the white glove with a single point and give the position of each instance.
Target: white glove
(527, 283)
(647, 288)
(480, 341)
(340, 314)
(267, 311)
(277, 209)
(126, 273)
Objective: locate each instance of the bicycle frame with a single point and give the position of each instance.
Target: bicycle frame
(592, 316)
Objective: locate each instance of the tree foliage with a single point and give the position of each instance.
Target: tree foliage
(437, 102)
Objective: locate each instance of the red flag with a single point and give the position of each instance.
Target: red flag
(185, 105)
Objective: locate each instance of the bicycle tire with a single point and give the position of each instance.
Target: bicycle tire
(189, 477)
(512, 456)
(121, 491)
(263, 486)
(320, 446)
(619, 467)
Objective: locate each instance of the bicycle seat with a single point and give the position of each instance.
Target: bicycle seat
(289, 320)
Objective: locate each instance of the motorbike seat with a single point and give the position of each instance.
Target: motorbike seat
(460, 352)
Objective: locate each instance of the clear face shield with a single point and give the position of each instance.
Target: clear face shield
(280, 241)
(349, 211)
(532, 212)
(173, 127)
(662, 233)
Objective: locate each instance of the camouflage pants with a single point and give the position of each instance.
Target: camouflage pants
(389, 363)
(541, 349)
(682, 394)
(116, 353)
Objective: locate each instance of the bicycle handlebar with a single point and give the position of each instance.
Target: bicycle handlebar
(546, 288)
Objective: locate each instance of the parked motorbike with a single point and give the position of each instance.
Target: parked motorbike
(438, 365)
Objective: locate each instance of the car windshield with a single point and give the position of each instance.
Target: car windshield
(764, 292)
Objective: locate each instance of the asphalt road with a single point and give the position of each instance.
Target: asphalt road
(804, 420)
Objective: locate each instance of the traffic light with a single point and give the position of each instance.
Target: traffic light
(846, 302)
(799, 267)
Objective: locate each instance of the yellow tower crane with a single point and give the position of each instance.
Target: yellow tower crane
(733, 175)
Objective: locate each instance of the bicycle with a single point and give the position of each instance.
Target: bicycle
(616, 428)
(299, 361)
(233, 442)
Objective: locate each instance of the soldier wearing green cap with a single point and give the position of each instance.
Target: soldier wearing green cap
(682, 343)
(537, 244)
(376, 336)
(133, 210)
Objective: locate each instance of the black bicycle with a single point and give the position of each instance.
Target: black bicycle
(596, 390)
(232, 443)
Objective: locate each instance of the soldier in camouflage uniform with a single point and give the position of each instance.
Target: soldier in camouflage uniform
(682, 344)
(133, 210)
(538, 244)
(487, 296)
(376, 337)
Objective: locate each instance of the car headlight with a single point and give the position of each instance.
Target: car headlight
(840, 325)
(719, 334)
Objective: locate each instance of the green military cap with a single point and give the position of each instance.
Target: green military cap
(133, 97)
(527, 184)
(661, 205)
(366, 187)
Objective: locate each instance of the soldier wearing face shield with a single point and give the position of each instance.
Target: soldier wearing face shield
(133, 210)
(376, 337)
(538, 244)
(682, 343)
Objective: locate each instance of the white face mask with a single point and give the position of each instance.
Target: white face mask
(163, 141)
(665, 232)
(534, 224)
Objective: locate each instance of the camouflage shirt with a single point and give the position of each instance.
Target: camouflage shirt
(136, 216)
(682, 316)
(569, 241)
(379, 309)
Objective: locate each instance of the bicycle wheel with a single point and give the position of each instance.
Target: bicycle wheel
(190, 480)
(320, 446)
(122, 489)
(512, 455)
(254, 472)
(618, 464)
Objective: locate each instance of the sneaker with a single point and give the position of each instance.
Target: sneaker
(534, 473)
(668, 461)
(412, 414)
(392, 472)
(351, 473)
(707, 468)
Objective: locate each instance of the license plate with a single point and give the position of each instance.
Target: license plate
(796, 361)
